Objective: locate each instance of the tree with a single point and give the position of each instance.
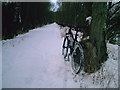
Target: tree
(96, 52)
(113, 20)
(73, 13)
(95, 48)
(10, 23)
(19, 17)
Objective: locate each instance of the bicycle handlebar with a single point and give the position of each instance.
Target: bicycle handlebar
(78, 28)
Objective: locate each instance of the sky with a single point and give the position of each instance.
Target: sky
(55, 5)
(54, 1)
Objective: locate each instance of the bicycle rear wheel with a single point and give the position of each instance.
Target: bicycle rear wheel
(77, 58)
(65, 47)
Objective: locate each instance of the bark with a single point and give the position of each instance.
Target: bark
(95, 51)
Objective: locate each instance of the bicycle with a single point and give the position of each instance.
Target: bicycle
(76, 49)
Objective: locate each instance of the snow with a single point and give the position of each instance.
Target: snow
(107, 76)
(89, 19)
(34, 60)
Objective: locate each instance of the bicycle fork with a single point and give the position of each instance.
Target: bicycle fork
(69, 52)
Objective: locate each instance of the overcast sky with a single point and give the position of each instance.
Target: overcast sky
(55, 5)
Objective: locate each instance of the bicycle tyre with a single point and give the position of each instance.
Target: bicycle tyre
(77, 58)
(65, 47)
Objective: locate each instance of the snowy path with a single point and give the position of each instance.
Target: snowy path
(34, 60)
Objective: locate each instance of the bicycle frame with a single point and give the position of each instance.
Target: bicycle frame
(74, 38)
(76, 53)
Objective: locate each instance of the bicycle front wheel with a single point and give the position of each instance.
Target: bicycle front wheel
(77, 58)
(65, 47)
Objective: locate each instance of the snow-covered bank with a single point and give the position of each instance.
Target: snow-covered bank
(34, 60)
(107, 76)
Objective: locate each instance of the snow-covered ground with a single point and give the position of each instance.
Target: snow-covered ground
(107, 76)
(34, 60)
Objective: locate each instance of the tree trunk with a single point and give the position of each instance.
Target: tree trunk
(95, 52)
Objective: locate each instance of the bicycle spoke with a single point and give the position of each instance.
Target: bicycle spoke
(77, 58)
(73, 48)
